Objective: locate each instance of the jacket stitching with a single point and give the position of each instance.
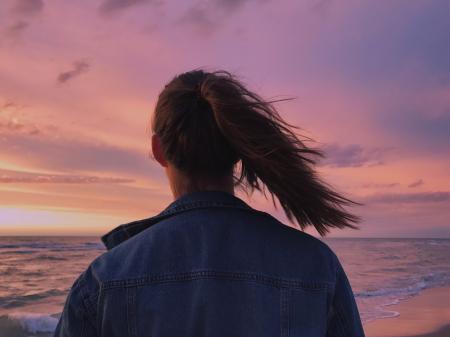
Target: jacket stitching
(205, 274)
(336, 307)
(131, 315)
(99, 311)
(81, 284)
(284, 312)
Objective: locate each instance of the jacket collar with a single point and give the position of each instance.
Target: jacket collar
(189, 201)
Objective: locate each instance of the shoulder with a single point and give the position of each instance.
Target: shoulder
(157, 245)
(120, 261)
(301, 239)
(303, 251)
(78, 317)
(84, 292)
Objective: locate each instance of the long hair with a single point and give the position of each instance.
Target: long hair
(208, 122)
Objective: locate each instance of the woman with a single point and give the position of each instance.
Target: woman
(209, 264)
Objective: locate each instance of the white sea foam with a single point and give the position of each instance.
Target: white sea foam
(35, 323)
(427, 281)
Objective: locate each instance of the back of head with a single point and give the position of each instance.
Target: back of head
(185, 120)
(208, 122)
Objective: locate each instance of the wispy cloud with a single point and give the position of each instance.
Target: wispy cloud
(231, 5)
(22, 10)
(378, 185)
(112, 6)
(353, 155)
(17, 27)
(401, 198)
(12, 123)
(50, 148)
(9, 104)
(321, 6)
(28, 6)
(207, 17)
(199, 17)
(58, 153)
(37, 178)
(416, 183)
(78, 67)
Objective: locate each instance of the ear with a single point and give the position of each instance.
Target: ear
(157, 151)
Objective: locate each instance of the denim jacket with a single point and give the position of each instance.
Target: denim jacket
(211, 265)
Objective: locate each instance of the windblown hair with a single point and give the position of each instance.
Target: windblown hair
(208, 122)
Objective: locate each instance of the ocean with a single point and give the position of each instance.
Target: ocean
(36, 273)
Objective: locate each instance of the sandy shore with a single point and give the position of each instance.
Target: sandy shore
(425, 315)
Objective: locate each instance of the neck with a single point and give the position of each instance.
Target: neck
(181, 184)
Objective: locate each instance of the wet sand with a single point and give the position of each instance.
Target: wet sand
(425, 315)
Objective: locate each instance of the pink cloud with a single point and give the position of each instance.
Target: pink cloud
(10, 177)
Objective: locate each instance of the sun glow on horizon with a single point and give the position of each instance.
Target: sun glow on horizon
(19, 221)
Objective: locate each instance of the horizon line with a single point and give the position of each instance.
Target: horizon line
(339, 237)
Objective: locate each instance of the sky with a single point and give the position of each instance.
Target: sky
(79, 81)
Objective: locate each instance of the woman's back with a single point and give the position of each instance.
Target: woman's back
(210, 265)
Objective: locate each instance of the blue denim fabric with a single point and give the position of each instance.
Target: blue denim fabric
(211, 265)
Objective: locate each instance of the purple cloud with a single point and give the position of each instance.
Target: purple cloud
(321, 6)
(353, 155)
(17, 27)
(28, 6)
(207, 17)
(230, 5)
(424, 197)
(112, 6)
(79, 67)
(200, 18)
(416, 183)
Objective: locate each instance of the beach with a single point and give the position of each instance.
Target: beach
(424, 315)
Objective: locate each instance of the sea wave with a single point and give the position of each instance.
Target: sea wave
(7, 252)
(22, 324)
(376, 303)
(430, 280)
(14, 301)
(31, 247)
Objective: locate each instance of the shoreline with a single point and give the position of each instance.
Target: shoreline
(424, 315)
